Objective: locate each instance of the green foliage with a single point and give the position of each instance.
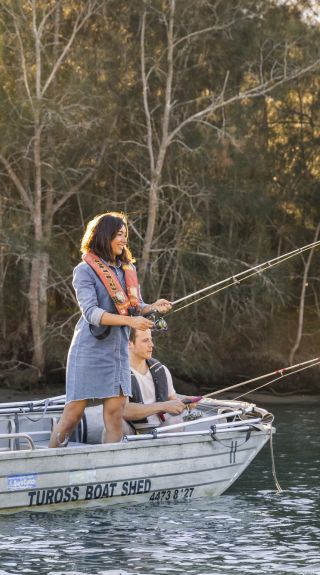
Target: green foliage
(238, 187)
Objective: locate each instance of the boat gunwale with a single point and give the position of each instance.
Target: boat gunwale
(87, 448)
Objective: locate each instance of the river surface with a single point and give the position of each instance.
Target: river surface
(249, 530)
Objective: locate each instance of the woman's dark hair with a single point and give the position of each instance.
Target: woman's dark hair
(100, 232)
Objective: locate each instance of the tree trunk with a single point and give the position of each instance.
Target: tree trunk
(2, 278)
(38, 306)
(156, 164)
(297, 342)
(152, 218)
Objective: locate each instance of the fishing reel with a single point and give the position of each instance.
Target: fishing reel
(192, 413)
(159, 323)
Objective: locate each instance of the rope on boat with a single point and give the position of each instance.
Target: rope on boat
(248, 428)
(273, 465)
(43, 413)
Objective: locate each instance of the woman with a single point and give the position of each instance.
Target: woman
(107, 292)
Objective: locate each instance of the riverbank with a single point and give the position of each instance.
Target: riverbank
(11, 394)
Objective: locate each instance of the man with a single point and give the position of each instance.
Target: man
(154, 399)
(153, 402)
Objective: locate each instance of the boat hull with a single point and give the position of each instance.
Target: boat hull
(155, 470)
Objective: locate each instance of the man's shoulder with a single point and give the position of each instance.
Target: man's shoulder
(153, 363)
(155, 366)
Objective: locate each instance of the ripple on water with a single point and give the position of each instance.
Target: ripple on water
(249, 528)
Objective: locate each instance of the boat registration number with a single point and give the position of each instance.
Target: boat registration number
(172, 494)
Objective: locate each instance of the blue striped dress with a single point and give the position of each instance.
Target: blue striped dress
(97, 369)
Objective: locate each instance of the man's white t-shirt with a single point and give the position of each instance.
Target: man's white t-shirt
(149, 394)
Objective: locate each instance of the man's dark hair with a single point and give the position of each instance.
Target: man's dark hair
(132, 336)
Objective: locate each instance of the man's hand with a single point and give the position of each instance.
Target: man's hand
(173, 406)
(192, 402)
(134, 411)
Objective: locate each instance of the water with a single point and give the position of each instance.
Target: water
(248, 530)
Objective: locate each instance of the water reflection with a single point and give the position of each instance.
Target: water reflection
(250, 529)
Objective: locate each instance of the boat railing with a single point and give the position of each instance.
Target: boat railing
(36, 423)
(15, 427)
(234, 426)
(37, 420)
(17, 437)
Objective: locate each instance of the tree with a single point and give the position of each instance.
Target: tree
(207, 124)
(168, 114)
(40, 42)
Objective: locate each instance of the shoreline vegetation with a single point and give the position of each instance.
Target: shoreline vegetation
(203, 126)
(298, 393)
(208, 370)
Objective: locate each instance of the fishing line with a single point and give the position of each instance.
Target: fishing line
(237, 279)
(273, 465)
(281, 371)
(274, 380)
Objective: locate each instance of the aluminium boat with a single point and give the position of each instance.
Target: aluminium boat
(201, 456)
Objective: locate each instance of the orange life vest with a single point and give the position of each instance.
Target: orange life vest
(122, 300)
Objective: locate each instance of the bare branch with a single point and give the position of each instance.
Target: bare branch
(77, 187)
(79, 23)
(197, 33)
(73, 190)
(255, 92)
(14, 178)
(23, 61)
(145, 92)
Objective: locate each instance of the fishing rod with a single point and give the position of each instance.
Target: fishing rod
(279, 372)
(276, 379)
(241, 276)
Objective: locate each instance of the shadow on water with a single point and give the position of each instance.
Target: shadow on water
(248, 530)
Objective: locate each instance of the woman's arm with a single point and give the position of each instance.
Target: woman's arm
(84, 284)
(137, 322)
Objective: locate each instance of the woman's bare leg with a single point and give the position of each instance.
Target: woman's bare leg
(112, 415)
(72, 414)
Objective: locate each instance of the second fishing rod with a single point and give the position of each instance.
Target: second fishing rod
(236, 279)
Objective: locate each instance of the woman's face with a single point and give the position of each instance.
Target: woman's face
(119, 242)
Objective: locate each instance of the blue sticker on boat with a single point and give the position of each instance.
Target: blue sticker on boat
(17, 482)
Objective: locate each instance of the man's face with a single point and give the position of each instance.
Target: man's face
(143, 345)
